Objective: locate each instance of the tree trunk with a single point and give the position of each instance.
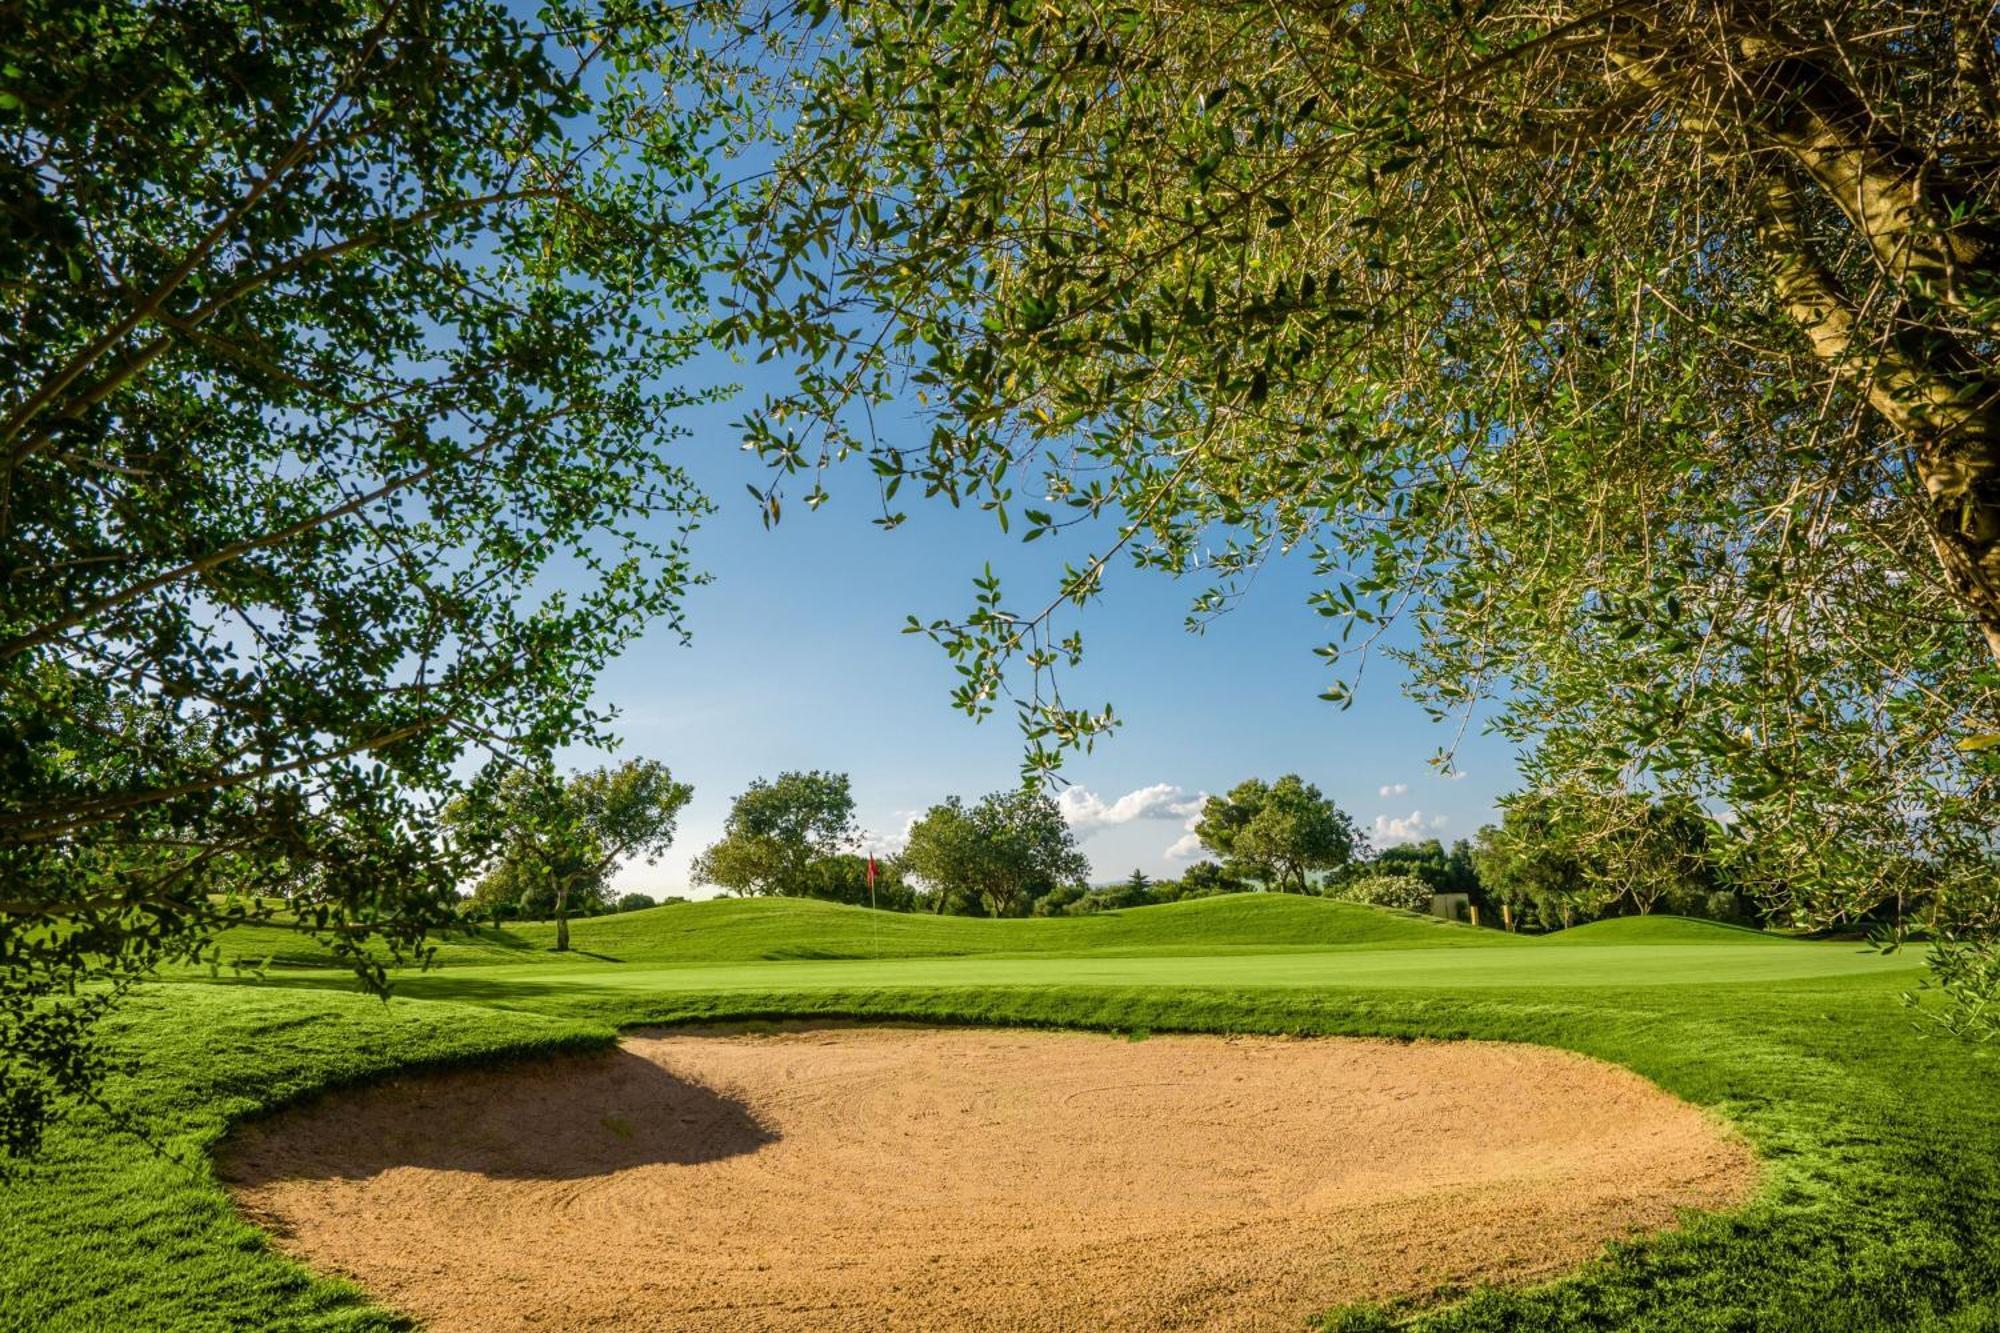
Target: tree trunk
(1812, 132)
(562, 918)
(1940, 402)
(1938, 396)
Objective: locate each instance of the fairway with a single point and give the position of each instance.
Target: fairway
(1219, 942)
(1581, 965)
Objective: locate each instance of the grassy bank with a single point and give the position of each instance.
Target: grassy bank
(1881, 1207)
(735, 930)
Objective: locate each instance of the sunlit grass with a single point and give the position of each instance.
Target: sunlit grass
(1881, 1207)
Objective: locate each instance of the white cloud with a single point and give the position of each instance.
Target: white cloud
(1087, 812)
(1393, 789)
(889, 844)
(1389, 828)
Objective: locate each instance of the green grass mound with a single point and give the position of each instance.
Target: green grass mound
(1662, 929)
(739, 930)
(281, 947)
(747, 930)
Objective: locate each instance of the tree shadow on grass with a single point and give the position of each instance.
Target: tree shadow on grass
(568, 1118)
(440, 984)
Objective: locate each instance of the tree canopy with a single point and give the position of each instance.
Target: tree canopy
(1574, 855)
(1445, 871)
(778, 833)
(843, 878)
(1625, 368)
(1206, 879)
(1532, 871)
(1006, 852)
(329, 332)
(549, 844)
(1278, 832)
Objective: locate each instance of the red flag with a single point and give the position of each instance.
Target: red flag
(871, 872)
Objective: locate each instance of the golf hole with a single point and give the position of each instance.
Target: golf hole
(831, 1178)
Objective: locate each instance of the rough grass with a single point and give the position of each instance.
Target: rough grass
(1881, 1208)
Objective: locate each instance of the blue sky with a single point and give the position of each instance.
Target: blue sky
(798, 661)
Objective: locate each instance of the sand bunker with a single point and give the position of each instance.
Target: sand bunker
(874, 1178)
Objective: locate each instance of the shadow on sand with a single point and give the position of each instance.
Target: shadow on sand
(568, 1118)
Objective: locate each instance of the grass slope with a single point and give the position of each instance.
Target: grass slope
(1663, 929)
(743, 930)
(1376, 968)
(277, 946)
(726, 930)
(1881, 1210)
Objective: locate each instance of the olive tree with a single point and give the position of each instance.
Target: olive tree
(1634, 362)
(1530, 867)
(329, 334)
(1655, 853)
(1574, 854)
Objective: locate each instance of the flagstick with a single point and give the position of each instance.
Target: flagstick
(874, 922)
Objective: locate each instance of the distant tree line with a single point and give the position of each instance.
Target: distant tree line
(1567, 856)
(549, 846)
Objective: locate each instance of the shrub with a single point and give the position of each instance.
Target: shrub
(1725, 905)
(1965, 970)
(1204, 879)
(1064, 899)
(1385, 890)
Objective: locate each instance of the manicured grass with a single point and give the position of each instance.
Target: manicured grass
(745, 930)
(732, 930)
(1881, 1207)
(1662, 929)
(608, 987)
(278, 947)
